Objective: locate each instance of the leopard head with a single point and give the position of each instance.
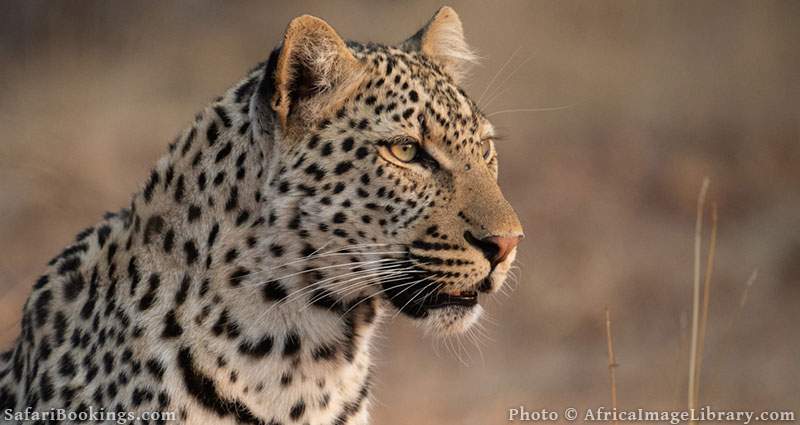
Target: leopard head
(378, 155)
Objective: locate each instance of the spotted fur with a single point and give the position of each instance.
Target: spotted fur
(247, 278)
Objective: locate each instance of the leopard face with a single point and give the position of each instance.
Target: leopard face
(380, 155)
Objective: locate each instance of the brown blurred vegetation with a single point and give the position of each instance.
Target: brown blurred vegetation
(660, 94)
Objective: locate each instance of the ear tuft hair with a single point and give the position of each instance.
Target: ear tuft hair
(442, 39)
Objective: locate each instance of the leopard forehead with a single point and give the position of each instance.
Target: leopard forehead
(405, 93)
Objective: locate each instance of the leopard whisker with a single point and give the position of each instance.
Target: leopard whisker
(546, 109)
(361, 274)
(420, 292)
(497, 74)
(358, 286)
(325, 255)
(319, 251)
(327, 267)
(508, 77)
(384, 290)
(296, 295)
(402, 272)
(407, 285)
(375, 295)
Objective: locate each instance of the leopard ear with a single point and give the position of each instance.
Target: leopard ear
(312, 69)
(442, 39)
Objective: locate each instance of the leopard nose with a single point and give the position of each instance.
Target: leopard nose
(494, 248)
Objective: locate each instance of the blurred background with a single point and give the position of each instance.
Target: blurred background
(648, 98)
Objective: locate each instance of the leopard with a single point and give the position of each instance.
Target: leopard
(336, 186)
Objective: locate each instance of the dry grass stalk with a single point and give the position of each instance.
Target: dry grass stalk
(612, 363)
(698, 231)
(712, 245)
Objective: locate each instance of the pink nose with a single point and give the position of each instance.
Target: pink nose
(504, 245)
(494, 248)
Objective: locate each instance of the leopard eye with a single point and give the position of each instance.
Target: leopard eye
(486, 149)
(405, 152)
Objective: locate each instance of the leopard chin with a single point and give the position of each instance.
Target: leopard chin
(451, 320)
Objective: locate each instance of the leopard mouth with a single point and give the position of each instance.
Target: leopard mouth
(418, 299)
(442, 300)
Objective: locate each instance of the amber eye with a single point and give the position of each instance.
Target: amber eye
(405, 152)
(486, 149)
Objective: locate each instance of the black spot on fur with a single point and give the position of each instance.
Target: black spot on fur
(276, 250)
(180, 188)
(223, 115)
(46, 389)
(273, 291)
(151, 186)
(194, 213)
(222, 323)
(339, 217)
(244, 91)
(224, 152)
(313, 142)
(347, 145)
(298, 410)
(324, 299)
(212, 235)
(212, 133)
(169, 241)
(69, 265)
(102, 235)
(149, 297)
(291, 344)
(41, 307)
(73, 286)
(153, 226)
(343, 167)
(201, 181)
(156, 368)
(172, 329)
(191, 252)
(189, 140)
(66, 366)
(231, 255)
(233, 199)
(183, 291)
(315, 171)
(203, 389)
(242, 218)
(324, 352)
(8, 400)
(41, 282)
(258, 349)
(236, 277)
(133, 274)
